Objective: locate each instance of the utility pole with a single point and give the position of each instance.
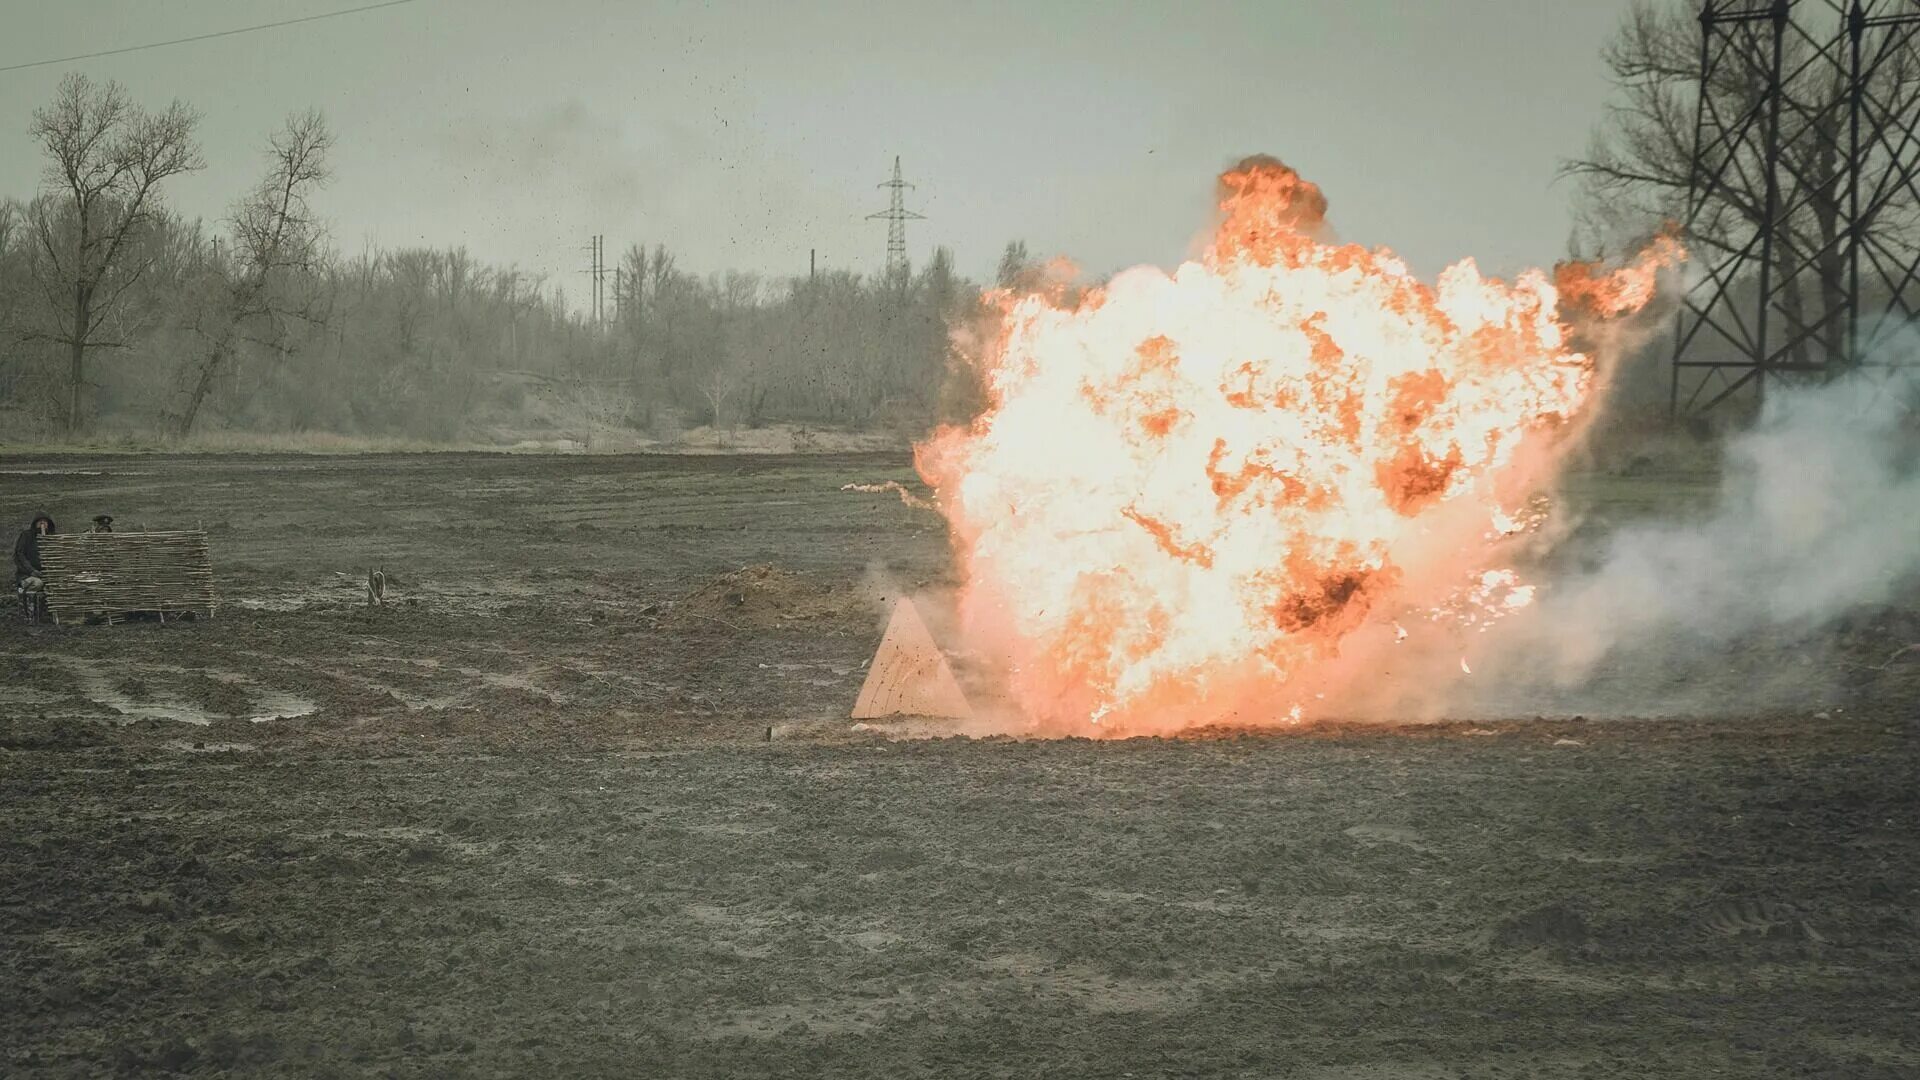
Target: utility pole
(896, 215)
(596, 274)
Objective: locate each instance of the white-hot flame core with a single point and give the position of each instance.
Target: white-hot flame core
(1192, 491)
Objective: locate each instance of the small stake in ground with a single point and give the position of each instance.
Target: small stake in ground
(909, 674)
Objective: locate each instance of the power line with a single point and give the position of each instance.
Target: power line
(205, 37)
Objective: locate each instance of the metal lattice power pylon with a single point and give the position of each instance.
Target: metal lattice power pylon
(896, 216)
(1803, 212)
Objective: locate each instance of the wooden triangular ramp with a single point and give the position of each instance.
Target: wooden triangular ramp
(909, 674)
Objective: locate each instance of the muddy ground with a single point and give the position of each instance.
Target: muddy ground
(527, 820)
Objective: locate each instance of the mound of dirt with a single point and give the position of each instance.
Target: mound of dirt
(765, 597)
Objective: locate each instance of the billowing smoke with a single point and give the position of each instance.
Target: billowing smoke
(1817, 516)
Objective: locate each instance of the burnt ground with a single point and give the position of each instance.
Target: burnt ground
(527, 820)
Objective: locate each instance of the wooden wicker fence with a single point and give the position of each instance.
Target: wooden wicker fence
(118, 574)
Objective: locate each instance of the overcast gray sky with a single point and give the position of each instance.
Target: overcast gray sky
(743, 134)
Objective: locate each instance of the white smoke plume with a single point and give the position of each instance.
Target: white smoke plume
(1817, 515)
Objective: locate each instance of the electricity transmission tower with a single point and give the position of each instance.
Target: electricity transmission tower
(1804, 187)
(597, 276)
(896, 216)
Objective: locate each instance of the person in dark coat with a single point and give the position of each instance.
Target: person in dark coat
(26, 565)
(26, 550)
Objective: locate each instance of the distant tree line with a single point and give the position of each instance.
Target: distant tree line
(119, 316)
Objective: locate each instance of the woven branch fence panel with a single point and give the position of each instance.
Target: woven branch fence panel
(116, 574)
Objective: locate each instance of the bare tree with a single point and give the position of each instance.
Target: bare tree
(12, 216)
(106, 161)
(11, 213)
(1641, 163)
(277, 244)
(633, 276)
(1015, 263)
(718, 387)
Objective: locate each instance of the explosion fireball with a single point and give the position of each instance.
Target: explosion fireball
(1230, 494)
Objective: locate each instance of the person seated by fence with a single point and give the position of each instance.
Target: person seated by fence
(27, 574)
(102, 523)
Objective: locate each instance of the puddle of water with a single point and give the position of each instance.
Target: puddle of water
(263, 705)
(101, 690)
(186, 747)
(280, 705)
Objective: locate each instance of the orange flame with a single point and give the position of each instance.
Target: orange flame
(1622, 289)
(1212, 496)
